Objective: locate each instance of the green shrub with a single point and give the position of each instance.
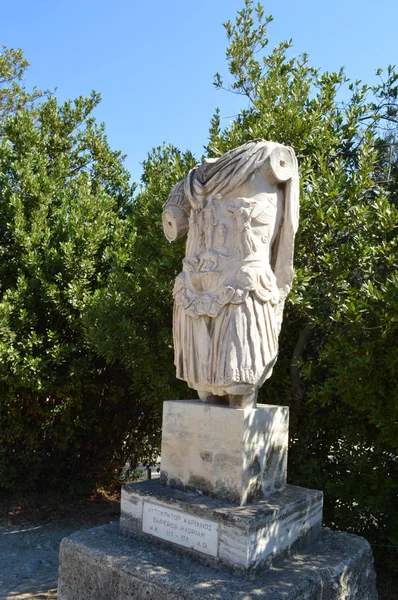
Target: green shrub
(67, 417)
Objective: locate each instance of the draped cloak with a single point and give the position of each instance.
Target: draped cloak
(238, 268)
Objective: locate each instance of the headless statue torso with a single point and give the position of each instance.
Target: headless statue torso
(240, 213)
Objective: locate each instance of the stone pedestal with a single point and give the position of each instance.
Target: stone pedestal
(219, 524)
(218, 532)
(239, 455)
(102, 564)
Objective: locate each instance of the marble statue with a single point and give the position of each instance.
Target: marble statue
(240, 212)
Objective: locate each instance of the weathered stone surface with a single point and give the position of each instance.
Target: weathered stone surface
(249, 537)
(236, 454)
(241, 214)
(101, 564)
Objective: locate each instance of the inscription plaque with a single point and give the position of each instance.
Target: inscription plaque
(180, 528)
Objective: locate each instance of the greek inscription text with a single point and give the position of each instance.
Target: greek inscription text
(180, 528)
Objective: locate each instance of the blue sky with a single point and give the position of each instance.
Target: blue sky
(154, 61)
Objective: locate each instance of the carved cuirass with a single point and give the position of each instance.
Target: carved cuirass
(228, 254)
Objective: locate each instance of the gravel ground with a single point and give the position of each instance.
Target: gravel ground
(30, 534)
(29, 560)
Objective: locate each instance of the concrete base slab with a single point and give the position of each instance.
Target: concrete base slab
(218, 532)
(102, 564)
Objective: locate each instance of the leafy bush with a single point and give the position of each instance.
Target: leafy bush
(66, 416)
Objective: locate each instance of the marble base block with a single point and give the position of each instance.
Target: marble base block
(217, 532)
(102, 564)
(239, 455)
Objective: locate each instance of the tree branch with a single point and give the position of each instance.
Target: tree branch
(298, 386)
